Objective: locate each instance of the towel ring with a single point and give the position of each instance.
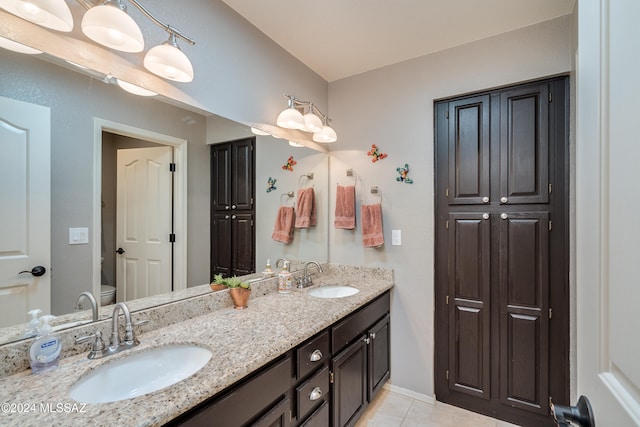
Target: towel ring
(377, 192)
(309, 177)
(288, 195)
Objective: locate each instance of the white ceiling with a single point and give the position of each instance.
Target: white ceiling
(341, 38)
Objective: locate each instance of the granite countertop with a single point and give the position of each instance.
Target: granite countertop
(241, 342)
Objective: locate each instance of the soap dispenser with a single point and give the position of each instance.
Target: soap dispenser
(33, 327)
(285, 283)
(44, 354)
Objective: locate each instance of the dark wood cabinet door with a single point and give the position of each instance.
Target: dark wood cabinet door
(220, 177)
(469, 151)
(524, 310)
(524, 145)
(379, 357)
(349, 392)
(279, 416)
(221, 244)
(243, 245)
(320, 418)
(242, 169)
(469, 303)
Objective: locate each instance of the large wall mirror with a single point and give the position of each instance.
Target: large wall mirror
(92, 120)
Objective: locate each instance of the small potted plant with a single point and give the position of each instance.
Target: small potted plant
(238, 289)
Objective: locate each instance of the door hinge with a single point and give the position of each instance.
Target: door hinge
(446, 114)
(446, 224)
(446, 192)
(331, 377)
(446, 300)
(550, 188)
(550, 225)
(446, 374)
(550, 97)
(550, 312)
(172, 167)
(172, 238)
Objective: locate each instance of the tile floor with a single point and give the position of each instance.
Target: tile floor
(391, 409)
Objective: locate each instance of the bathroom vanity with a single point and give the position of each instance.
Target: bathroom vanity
(289, 360)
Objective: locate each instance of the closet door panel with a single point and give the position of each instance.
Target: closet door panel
(469, 310)
(524, 146)
(524, 310)
(469, 151)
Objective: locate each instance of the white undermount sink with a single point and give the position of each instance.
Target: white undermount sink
(333, 291)
(140, 373)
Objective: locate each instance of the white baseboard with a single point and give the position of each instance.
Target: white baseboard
(409, 393)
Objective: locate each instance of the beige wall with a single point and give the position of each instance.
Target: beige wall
(393, 108)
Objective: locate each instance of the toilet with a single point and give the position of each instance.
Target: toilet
(107, 295)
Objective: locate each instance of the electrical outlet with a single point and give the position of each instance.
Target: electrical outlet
(396, 237)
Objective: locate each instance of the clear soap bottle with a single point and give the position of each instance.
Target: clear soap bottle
(44, 354)
(285, 282)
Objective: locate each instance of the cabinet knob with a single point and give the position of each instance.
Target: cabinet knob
(315, 356)
(504, 216)
(504, 199)
(485, 199)
(485, 216)
(366, 340)
(233, 206)
(226, 207)
(226, 217)
(372, 335)
(315, 394)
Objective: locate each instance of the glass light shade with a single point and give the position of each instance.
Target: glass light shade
(112, 27)
(326, 135)
(257, 131)
(54, 14)
(290, 119)
(295, 144)
(134, 89)
(312, 123)
(168, 61)
(17, 47)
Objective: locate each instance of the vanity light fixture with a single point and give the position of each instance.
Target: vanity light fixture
(257, 131)
(54, 14)
(110, 25)
(313, 121)
(134, 89)
(17, 47)
(295, 144)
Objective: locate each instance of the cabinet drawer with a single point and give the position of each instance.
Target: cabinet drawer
(353, 326)
(312, 392)
(245, 401)
(320, 418)
(313, 354)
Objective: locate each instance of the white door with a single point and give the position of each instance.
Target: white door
(607, 206)
(24, 209)
(143, 222)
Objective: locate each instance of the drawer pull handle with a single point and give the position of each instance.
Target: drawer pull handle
(315, 394)
(315, 356)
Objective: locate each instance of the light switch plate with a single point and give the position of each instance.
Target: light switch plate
(79, 236)
(396, 237)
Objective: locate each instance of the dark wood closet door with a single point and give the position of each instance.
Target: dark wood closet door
(243, 245)
(501, 292)
(220, 177)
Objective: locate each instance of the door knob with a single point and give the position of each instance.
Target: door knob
(485, 199)
(233, 217)
(36, 271)
(503, 200)
(120, 251)
(485, 216)
(233, 206)
(504, 216)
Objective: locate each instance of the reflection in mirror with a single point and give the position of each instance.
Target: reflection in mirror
(78, 101)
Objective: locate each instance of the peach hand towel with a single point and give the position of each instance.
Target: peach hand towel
(306, 208)
(283, 229)
(345, 207)
(372, 226)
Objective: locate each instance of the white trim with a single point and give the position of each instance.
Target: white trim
(179, 196)
(411, 394)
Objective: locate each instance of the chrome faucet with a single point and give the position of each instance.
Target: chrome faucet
(92, 300)
(129, 339)
(99, 349)
(306, 277)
